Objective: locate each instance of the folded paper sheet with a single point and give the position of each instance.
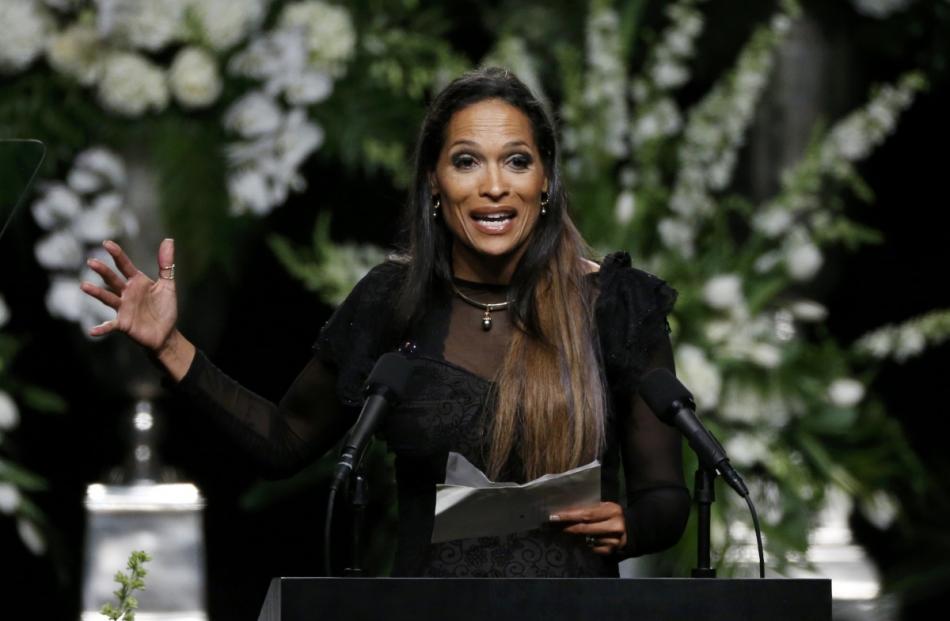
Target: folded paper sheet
(470, 505)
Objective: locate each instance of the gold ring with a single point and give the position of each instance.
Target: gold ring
(167, 268)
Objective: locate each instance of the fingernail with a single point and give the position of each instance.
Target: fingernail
(554, 517)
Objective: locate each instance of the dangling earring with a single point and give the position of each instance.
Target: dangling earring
(544, 203)
(435, 206)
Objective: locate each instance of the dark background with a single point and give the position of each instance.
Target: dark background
(267, 322)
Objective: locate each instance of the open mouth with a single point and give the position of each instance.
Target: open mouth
(494, 222)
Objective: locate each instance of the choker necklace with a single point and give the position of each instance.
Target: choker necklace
(488, 308)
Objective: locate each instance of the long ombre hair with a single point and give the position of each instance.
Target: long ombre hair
(549, 394)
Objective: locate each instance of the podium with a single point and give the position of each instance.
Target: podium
(547, 599)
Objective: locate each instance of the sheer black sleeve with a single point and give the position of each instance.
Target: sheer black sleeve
(322, 402)
(631, 312)
(658, 501)
(281, 438)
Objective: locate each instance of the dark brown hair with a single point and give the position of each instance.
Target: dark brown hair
(549, 392)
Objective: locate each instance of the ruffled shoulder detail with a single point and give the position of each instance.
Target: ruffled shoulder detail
(359, 332)
(631, 312)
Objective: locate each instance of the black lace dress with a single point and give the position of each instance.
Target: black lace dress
(444, 410)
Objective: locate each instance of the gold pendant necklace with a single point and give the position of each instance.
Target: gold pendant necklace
(488, 308)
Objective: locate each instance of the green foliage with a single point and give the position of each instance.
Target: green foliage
(134, 580)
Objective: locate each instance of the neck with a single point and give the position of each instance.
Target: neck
(480, 268)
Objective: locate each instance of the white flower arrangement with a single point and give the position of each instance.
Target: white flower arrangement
(149, 26)
(77, 52)
(904, 341)
(131, 85)
(193, 78)
(25, 26)
(222, 24)
(700, 374)
(78, 215)
(328, 33)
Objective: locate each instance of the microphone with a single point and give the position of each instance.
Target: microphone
(673, 404)
(385, 385)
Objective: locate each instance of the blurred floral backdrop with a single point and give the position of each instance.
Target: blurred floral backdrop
(198, 119)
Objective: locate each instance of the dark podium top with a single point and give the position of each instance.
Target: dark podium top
(547, 599)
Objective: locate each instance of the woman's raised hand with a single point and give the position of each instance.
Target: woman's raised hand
(146, 309)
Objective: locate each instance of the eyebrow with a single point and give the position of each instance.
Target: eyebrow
(507, 145)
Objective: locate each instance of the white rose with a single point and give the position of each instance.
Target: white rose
(626, 203)
(130, 85)
(77, 52)
(723, 292)
(59, 250)
(225, 23)
(146, 25)
(9, 415)
(4, 312)
(194, 78)
(24, 29)
(803, 259)
(9, 498)
(255, 114)
(697, 372)
(31, 537)
(845, 392)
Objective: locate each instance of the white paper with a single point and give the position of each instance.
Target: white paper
(468, 504)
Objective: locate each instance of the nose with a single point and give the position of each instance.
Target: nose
(494, 185)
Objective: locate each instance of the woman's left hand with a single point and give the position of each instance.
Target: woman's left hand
(602, 526)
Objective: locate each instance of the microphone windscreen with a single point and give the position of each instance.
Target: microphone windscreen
(659, 389)
(391, 373)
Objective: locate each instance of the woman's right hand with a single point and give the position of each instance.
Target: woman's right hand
(146, 309)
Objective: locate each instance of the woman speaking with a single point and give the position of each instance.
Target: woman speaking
(529, 354)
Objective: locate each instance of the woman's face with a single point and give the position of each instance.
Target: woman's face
(489, 178)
